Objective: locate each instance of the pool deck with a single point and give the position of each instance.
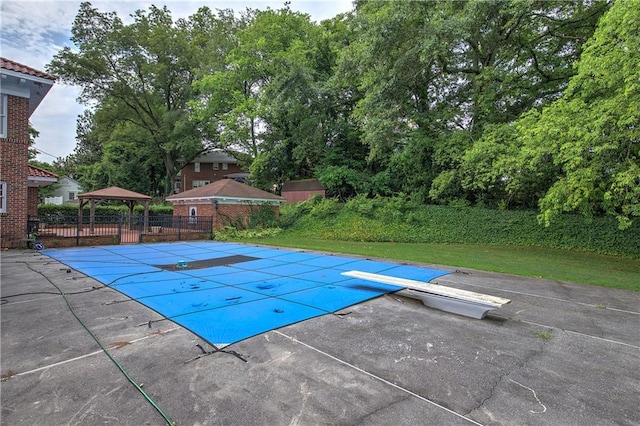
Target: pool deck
(559, 353)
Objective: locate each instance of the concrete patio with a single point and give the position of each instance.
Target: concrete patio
(560, 353)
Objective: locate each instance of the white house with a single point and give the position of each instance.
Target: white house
(66, 191)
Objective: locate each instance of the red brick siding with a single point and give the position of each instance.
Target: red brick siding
(53, 241)
(298, 196)
(224, 215)
(203, 209)
(14, 171)
(32, 202)
(18, 119)
(188, 174)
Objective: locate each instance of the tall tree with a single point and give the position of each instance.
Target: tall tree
(591, 135)
(144, 70)
(434, 73)
(266, 103)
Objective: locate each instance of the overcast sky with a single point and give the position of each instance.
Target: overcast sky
(32, 32)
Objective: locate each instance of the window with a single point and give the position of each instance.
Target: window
(199, 183)
(176, 186)
(72, 196)
(196, 166)
(3, 197)
(3, 116)
(225, 166)
(216, 166)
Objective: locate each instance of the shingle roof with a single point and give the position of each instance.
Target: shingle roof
(226, 188)
(215, 157)
(10, 65)
(38, 172)
(114, 193)
(303, 185)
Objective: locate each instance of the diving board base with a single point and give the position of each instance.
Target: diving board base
(448, 304)
(461, 302)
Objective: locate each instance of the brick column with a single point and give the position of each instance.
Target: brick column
(14, 171)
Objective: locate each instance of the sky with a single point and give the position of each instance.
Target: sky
(32, 32)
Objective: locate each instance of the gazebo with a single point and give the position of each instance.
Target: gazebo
(130, 198)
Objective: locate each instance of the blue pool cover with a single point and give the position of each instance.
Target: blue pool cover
(261, 288)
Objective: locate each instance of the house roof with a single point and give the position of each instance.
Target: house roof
(217, 156)
(225, 189)
(40, 177)
(25, 82)
(69, 179)
(8, 64)
(238, 175)
(114, 193)
(303, 185)
(38, 172)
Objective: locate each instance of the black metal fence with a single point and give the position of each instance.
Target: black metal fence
(123, 228)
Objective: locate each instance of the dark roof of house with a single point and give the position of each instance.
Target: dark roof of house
(41, 173)
(10, 65)
(226, 188)
(114, 193)
(216, 156)
(302, 185)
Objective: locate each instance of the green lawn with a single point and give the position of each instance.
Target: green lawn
(563, 265)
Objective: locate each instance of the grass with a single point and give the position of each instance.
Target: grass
(554, 264)
(544, 335)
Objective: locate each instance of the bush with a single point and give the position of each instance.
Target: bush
(400, 219)
(102, 210)
(317, 207)
(262, 217)
(231, 233)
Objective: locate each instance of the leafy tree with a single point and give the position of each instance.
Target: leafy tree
(580, 152)
(273, 101)
(340, 181)
(33, 134)
(142, 73)
(435, 73)
(591, 135)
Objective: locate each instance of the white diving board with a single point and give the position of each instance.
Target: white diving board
(462, 302)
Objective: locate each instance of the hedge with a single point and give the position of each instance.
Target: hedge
(102, 210)
(401, 220)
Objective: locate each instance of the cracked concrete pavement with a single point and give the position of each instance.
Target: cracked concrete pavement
(560, 353)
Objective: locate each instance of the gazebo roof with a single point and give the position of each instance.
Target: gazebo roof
(114, 193)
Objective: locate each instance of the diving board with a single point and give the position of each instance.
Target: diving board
(461, 302)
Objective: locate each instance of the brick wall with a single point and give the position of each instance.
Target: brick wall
(293, 197)
(32, 201)
(14, 171)
(188, 174)
(223, 215)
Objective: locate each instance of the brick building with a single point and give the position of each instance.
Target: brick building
(22, 88)
(295, 191)
(227, 201)
(210, 167)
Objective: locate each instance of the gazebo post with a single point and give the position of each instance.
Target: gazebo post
(132, 205)
(92, 217)
(146, 217)
(81, 205)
